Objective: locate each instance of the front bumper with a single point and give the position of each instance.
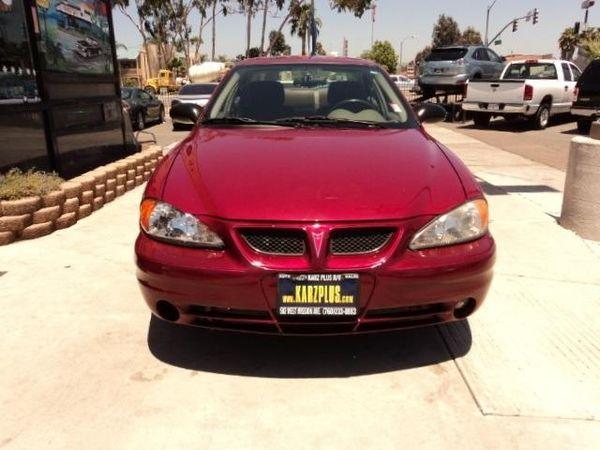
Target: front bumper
(234, 289)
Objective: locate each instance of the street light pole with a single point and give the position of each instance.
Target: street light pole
(487, 23)
(412, 36)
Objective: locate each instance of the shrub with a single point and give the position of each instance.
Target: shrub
(17, 184)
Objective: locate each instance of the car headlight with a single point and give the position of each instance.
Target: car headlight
(166, 223)
(465, 223)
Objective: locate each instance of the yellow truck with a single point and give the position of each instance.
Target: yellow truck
(163, 83)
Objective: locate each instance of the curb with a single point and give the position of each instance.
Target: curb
(33, 217)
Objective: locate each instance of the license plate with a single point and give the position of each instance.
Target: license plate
(493, 107)
(325, 295)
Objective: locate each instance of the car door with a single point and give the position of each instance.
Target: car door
(496, 64)
(484, 62)
(569, 86)
(147, 105)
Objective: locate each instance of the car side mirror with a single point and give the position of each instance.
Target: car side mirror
(430, 113)
(188, 113)
(503, 58)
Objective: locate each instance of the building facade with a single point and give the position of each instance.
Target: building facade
(60, 106)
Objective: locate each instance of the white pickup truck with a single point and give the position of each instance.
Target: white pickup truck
(536, 89)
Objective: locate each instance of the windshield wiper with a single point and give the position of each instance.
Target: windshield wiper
(324, 120)
(243, 121)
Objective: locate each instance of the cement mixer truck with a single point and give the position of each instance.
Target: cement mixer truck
(206, 72)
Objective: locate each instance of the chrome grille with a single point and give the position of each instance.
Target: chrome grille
(275, 242)
(354, 242)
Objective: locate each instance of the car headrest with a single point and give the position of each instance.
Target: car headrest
(344, 90)
(262, 95)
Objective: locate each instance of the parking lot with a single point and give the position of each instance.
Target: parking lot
(84, 364)
(549, 146)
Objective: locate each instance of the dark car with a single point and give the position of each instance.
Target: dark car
(586, 107)
(312, 208)
(143, 107)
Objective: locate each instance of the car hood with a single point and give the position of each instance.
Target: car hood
(316, 174)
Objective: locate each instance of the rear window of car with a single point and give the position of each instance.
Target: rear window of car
(197, 89)
(531, 71)
(446, 54)
(591, 75)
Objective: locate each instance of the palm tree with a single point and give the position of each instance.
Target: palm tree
(301, 23)
(568, 42)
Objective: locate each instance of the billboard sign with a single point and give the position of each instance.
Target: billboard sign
(75, 36)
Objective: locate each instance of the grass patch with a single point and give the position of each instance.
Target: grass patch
(17, 184)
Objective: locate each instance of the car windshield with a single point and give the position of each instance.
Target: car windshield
(446, 54)
(197, 89)
(126, 93)
(319, 94)
(531, 71)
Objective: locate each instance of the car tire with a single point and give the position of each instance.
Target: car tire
(482, 120)
(140, 122)
(584, 126)
(542, 117)
(177, 127)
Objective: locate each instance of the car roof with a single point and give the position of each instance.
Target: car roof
(300, 60)
(542, 61)
(456, 47)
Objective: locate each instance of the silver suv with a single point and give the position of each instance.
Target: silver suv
(448, 69)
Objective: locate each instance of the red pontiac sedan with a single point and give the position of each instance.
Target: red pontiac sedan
(310, 200)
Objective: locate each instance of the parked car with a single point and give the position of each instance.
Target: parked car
(328, 211)
(196, 93)
(143, 107)
(535, 89)
(403, 83)
(448, 69)
(586, 107)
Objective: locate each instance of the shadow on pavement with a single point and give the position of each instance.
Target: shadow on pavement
(516, 126)
(305, 357)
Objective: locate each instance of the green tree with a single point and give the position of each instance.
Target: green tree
(384, 54)
(279, 46)
(445, 32)
(471, 36)
(320, 49)
(301, 23)
(253, 52)
(567, 42)
(358, 7)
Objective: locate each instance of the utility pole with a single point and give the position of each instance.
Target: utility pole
(487, 23)
(313, 28)
(587, 4)
(373, 13)
(412, 36)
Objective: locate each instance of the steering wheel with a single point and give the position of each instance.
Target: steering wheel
(354, 105)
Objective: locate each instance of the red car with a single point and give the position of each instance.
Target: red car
(310, 200)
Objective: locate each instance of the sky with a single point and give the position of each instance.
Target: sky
(394, 21)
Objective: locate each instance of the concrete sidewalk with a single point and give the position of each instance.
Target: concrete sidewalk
(84, 366)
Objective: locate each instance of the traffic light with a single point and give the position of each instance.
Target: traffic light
(536, 16)
(577, 27)
(515, 25)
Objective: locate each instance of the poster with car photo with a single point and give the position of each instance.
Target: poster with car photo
(75, 35)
